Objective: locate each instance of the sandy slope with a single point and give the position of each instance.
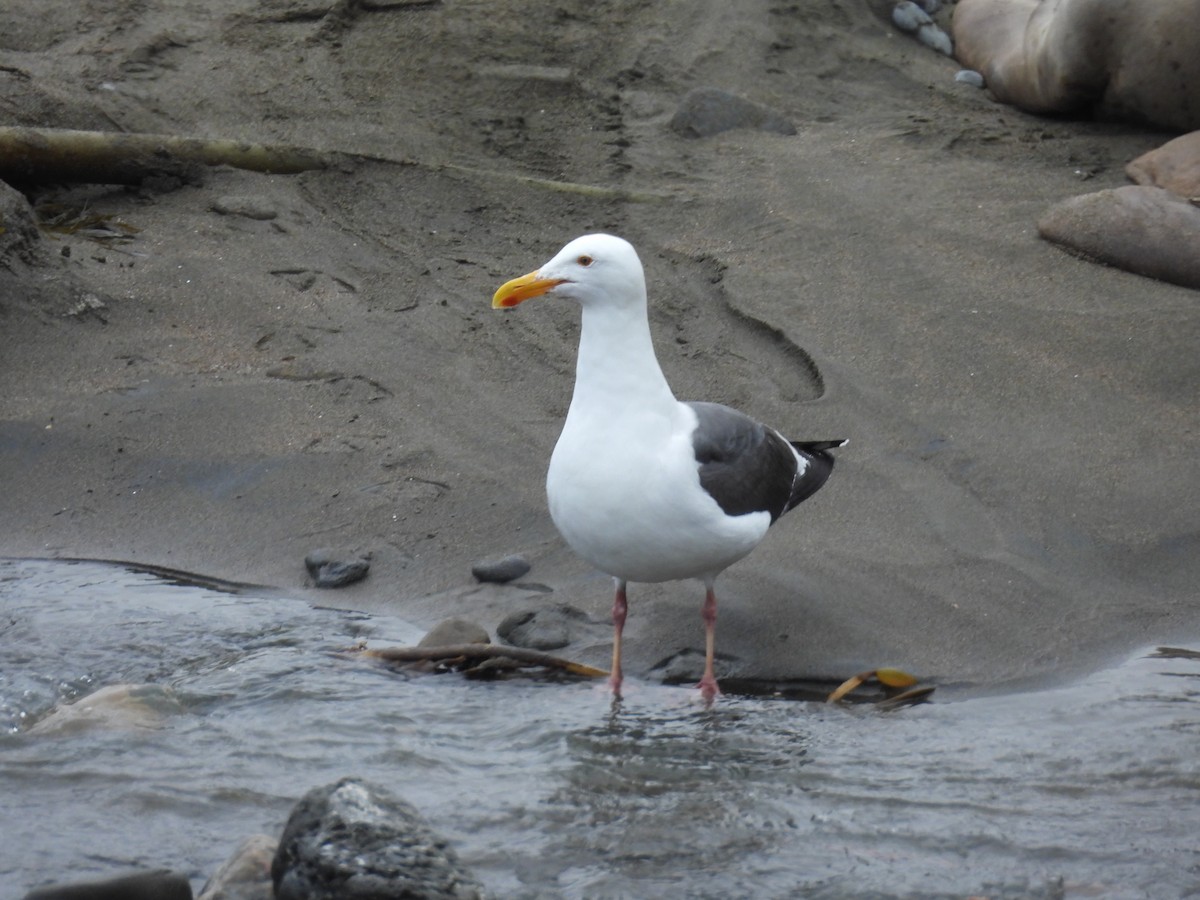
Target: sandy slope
(1020, 491)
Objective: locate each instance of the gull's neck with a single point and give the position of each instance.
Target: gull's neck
(617, 369)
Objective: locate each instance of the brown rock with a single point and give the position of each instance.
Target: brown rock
(1142, 229)
(1174, 166)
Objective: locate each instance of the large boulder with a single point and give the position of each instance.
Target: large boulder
(1143, 229)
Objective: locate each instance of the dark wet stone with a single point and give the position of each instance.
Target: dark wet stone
(1142, 229)
(545, 629)
(354, 841)
(708, 111)
(330, 569)
(246, 875)
(501, 571)
(160, 884)
(455, 631)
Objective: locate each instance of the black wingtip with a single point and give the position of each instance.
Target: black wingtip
(819, 446)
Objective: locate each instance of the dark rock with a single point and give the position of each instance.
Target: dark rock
(708, 111)
(330, 569)
(352, 841)
(1147, 230)
(246, 875)
(546, 629)
(455, 631)
(501, 571)
(160, 884)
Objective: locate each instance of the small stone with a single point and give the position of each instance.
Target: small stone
(908, 16)
(706, 111)
(935, 39)
(160, 884)
(545, 629)
(330, 569)
(969, 76)
(246, 875)
(455, 631)
(501, 571)
(354, 841)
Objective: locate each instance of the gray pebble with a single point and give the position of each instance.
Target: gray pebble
(936, 39)
(969, 76)
(501, 571)
(545, 629)
(704, 112)
(908, 16)
(330, 569)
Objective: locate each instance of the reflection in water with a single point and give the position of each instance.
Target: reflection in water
(551, 789)
(646, 785)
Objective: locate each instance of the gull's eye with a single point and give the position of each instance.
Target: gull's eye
(584, 261)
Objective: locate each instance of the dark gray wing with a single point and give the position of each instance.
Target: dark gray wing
(746, 467)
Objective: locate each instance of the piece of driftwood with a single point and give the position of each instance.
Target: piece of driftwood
(481, 652)
(39, 155)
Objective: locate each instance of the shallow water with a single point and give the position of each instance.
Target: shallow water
(547, 790)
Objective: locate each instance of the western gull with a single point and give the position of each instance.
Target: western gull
(642, 486)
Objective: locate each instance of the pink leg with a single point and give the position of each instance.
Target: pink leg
(708, 682)
(620, 607)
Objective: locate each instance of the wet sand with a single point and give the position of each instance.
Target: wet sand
(1019, 496)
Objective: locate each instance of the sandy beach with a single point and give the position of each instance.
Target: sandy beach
(260, 365)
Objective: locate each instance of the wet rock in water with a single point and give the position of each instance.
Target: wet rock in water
(1174, 166)
(330, 569)
(707, 111)
(353, 841)
(246, 875)
(160, 884)
(115, 706)
(501, 571)
(545, 629)
(452, 632)
(247, 206)
(1141, 229)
